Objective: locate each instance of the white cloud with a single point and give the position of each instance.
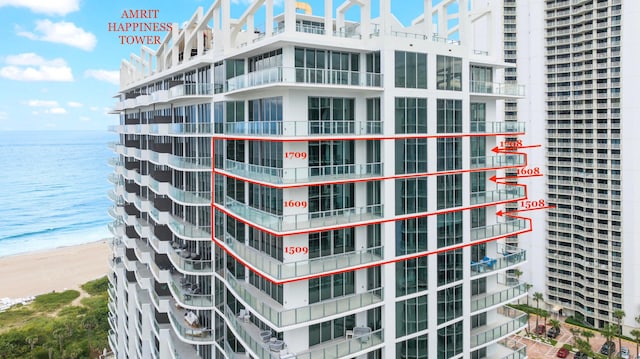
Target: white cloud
(42, 103)
(62, 33)
(57, 7)
(74, 104)
(94, 108)
(57, 111)
(112, 77)
(33, 67)
(84, 118)
(3, 115)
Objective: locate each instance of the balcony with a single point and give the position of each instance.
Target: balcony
(280, 317)
(186, 262)
(315, 220)
(509, 349)
(283, 271)
(498, 89)
(498, 161)
(495, 261)
(502, 296)
(502, 229)
(187, 230)
(184, 129)
(510, 194)
(337, 348)
(303, 76)
(190, 197)
(189, 294)
(303, 128)
(187, 332)
(506, 322)
(497, 127)
(190, 90)
(303, 175)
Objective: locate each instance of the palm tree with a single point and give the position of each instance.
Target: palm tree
(609, 331)
(537, 296)
(544, 314)
(555, 324)
(619, 314)
(576, 335)
(584, 347)
(636, 337)
(587, 334)
(60, 334)
(32, 341)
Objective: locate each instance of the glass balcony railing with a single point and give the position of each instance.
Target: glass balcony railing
(497, 127)
(189, 231)
(282, 271)
(188, 264)
(182, 128)
(302, 128)
(190, 90)
(341, 348)
(497, 161)
(495, 88)
(250, 336)
(281, 317)
(185, 293)
(508, 321)
(187, 332)
(303, 221)
(190, 197)
(304, 174)
(479, 302)
(518, 350)
(498, 229)
(190, 163)
(492, 262)
(315, 76)
(511, 193)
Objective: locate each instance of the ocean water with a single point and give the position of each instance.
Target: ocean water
(53, 189)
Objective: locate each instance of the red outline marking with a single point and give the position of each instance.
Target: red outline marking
(400, 136)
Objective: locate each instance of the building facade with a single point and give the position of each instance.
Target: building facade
(591, 241)
(318, 187)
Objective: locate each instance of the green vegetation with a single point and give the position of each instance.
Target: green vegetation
(52, 327)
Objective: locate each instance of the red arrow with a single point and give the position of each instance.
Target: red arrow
(501, 212)
(495, 178)
(504, 149)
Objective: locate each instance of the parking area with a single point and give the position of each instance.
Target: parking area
(539, 350)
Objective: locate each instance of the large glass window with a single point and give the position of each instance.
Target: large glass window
(449, 73)
(449, 303)
(333, 286)
(264, 61)
(321, 66)
(411, 156)
(265, 110)
(331, 157)
(264, 153)
(266, 243)
(411, 276)
(332, 329)
(449, 266)
(411, 236)
(450, 340)
(331, 115)
(411, 195)
(266, 199)
(481, 79)
(411, 69)
(449, 191)
(331, 200)
(322, 244)
(411, 316)
(411, 115)
(374, 117)
(449, 116)
(449, 154)
(273, 290)
(414, 348)
(449, 229)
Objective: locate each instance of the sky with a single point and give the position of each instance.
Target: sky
(59, 63)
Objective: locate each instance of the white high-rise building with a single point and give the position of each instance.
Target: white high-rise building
(318, 187)
(591, 138)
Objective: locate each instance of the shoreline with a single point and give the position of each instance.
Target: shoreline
(46, 270)
(44, 250)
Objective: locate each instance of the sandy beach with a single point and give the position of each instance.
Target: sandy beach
(57, 269)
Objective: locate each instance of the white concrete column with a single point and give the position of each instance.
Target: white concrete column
(328, 17)
(268, 18)
(428, 21)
